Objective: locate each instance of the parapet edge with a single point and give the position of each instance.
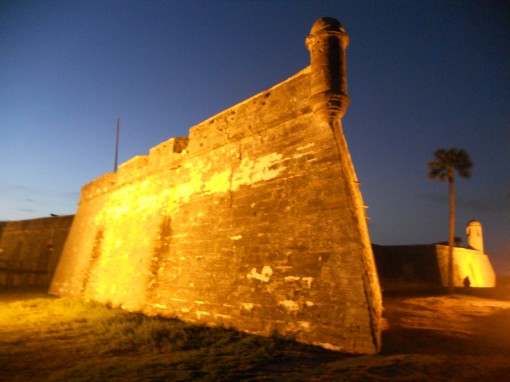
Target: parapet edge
(170, 152)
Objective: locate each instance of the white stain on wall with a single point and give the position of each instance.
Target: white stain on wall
(308, 281)
(304, 324)
(303, 150)
(219, 182)
(247, 306)
(261, 169)
(289, 305)
(264, 275)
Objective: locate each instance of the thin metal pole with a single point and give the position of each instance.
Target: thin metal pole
(117, 147)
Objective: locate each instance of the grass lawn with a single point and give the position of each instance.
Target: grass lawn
(434, 338)
(66, 339)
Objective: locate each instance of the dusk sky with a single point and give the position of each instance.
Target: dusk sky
(422, 75)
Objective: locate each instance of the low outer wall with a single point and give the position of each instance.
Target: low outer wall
(407, 267)
(469, 263)
(255, 222)
(425, 267)
(31, 249)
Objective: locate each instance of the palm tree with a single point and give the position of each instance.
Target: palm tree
(443, 167)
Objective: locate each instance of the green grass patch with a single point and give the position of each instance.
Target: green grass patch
(67, 339)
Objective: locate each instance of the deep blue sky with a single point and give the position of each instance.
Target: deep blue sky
(422, 75)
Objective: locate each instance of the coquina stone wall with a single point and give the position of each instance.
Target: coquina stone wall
(253, 221)
(467, 263)
(413, 267)
(31, 249)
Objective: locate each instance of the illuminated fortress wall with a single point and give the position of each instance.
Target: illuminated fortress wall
(469, 263)
(255, 221)
(30, 250)
(408, 267)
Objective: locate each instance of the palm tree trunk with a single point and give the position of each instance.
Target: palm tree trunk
(451, 238)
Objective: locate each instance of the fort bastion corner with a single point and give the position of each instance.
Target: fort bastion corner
(254, 221)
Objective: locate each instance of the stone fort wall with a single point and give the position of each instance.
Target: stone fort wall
(31, 249)
(414, 267)
(470, 263)
(254, 221)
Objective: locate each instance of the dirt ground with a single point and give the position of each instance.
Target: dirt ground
(463, 337)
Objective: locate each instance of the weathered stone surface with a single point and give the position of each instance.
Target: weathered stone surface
(413, 267)
(255, 222)
(473, 264)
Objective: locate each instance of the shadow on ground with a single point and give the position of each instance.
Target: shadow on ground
(463, 337)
